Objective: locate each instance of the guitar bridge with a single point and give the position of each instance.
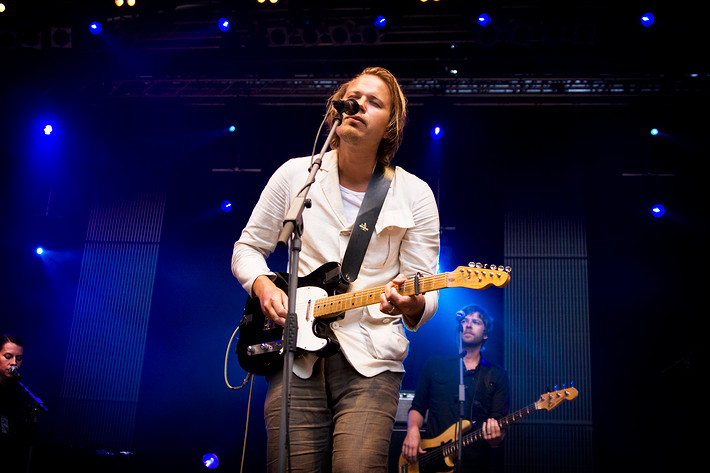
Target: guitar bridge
(262, 348)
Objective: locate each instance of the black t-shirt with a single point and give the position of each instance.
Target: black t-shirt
(487, 395)
(16, 410)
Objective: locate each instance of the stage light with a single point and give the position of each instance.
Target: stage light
(647, 19)
(2, 7)
(380, 21)
(226, 206)
(223, 24)
(484, 19)
(658, 210)
(95, 27)
(654, 131)
(130, 3)
(232, 129)
(210, 460)
(47, 129)
(39, 250)
(437, 132)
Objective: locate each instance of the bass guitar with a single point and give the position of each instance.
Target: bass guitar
(442, 451)
(260, 345)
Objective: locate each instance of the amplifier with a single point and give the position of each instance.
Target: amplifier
(405, 402)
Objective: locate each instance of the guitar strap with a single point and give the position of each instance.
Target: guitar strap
(365, 224)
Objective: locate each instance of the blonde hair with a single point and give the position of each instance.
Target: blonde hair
(394, 132)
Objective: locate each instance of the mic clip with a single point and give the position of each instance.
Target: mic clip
(349, 107)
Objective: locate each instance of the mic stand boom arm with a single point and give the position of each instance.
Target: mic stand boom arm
(291, 233)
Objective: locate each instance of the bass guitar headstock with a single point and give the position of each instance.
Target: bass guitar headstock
(553, 399)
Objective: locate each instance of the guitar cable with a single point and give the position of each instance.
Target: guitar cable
(251, 387)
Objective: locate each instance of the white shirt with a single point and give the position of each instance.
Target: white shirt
(352, 200)
(406, 240)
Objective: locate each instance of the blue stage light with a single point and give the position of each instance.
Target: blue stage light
(484, 19)
(47, 129)
(223, 24)
(380, 21)
(95, 27)
(210, 460)
(226, 206)
(437, 132)
(654, 131)
(232, 129)
(658, 210)
(39, 250)
(647, 19)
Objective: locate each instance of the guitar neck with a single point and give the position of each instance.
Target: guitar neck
(333, 305)
(503, 422)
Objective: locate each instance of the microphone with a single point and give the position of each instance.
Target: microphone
(349, 107)
(14, 371)
(460, 315)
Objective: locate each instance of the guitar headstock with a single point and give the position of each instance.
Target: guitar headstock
(479, 276)
(553, 399)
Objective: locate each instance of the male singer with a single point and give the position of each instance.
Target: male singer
(342, 408)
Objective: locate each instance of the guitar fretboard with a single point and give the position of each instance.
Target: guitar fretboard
(333, 305)
(453, 447)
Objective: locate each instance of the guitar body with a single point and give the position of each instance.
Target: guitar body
(259, 348)
(441, 452)
(436, 460)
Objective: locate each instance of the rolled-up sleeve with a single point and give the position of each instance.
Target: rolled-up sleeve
(260, 235)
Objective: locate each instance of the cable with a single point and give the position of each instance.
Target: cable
(246, 427)
(251, 387)
(226, 357)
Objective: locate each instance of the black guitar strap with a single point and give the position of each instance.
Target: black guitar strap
(365, 223)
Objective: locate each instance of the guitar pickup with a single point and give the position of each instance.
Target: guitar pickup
(261, 348)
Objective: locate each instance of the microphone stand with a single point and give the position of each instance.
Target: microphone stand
(37, 404)
(291, 234)
(462, 398)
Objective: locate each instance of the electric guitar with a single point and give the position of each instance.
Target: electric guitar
(442, 451)
(260, 346)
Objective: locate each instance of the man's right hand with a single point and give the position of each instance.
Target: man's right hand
(410, 446)
(274, 302)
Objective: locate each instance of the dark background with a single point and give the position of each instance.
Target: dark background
(146, 105)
